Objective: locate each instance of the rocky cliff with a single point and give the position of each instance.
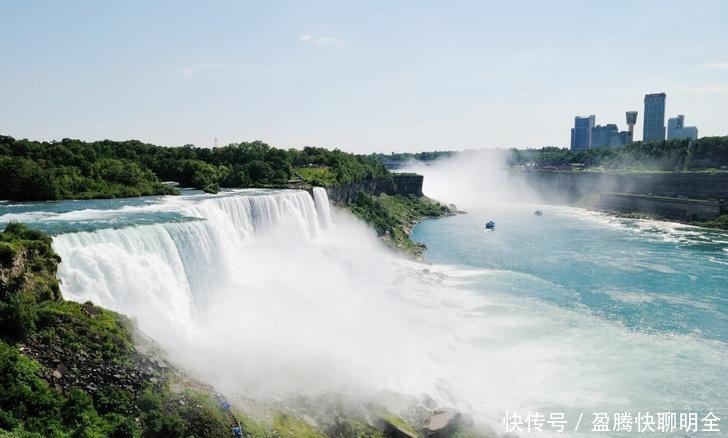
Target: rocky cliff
(399, 184)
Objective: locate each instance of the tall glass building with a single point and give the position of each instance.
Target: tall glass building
(676, 129)
(581, 133)
(654, 125)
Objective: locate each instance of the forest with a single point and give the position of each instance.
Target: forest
(74, 169)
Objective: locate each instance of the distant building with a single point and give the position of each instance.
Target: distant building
(581, 133)
(654, 122)
(601, 135)
(622, 138)
(631, 121)
(676, 129)
(608, 136)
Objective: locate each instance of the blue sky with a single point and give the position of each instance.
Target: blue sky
(362, 76)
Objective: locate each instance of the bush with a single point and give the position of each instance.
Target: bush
(211, 188)
(7, 254)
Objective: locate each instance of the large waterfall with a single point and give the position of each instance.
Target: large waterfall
(261, 294)
(163, 273)
(257, 291)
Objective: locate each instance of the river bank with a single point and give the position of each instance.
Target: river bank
(700, 213)
(696, 198)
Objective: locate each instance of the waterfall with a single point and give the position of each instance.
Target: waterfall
(164, 273)
(258, 293)
(321, 199)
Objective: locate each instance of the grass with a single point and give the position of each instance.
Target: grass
(399, 424)
(317, 176)
(283, 425)
(84, 327)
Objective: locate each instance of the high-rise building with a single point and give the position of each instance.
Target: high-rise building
(608, 136)
(676, 129)
(601, 135)
(581, 133)
(654, 122)
(674, 125)
(631, 121)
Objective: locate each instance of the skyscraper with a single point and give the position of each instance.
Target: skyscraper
(676, 129)
(631, 121)
(654, 125)
(581, 133)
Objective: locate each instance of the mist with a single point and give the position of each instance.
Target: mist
(268, 299)
(472, 179)
(304, 306)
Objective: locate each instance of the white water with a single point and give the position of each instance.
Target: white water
(321, 199)
(265, 296)
(255, 298)
(162, 273)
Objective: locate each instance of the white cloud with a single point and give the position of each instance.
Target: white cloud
(191, 70)
(321, 40)
(715, 66)
(706, 89)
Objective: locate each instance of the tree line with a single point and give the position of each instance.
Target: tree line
(670, 155)
(74, 169)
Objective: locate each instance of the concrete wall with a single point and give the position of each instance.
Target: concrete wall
(558, 186)
(670, 208)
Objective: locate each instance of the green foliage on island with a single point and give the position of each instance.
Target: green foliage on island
(28, 179)
(316, 176)
(393, 217)
(72, 370)
(73, 169)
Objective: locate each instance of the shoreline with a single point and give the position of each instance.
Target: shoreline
(643, 216)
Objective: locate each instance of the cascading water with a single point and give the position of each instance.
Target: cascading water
(163, 273)
(253, 296)
(259, 294)
(321, 199)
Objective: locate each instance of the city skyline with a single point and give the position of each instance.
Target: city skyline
(587, 134)
(371, 77)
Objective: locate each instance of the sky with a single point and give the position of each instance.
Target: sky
(367, 76)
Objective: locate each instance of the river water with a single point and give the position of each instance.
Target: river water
(268, 293)
(583, 312)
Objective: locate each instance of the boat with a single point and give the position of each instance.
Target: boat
(538, 212)
(489, 225)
